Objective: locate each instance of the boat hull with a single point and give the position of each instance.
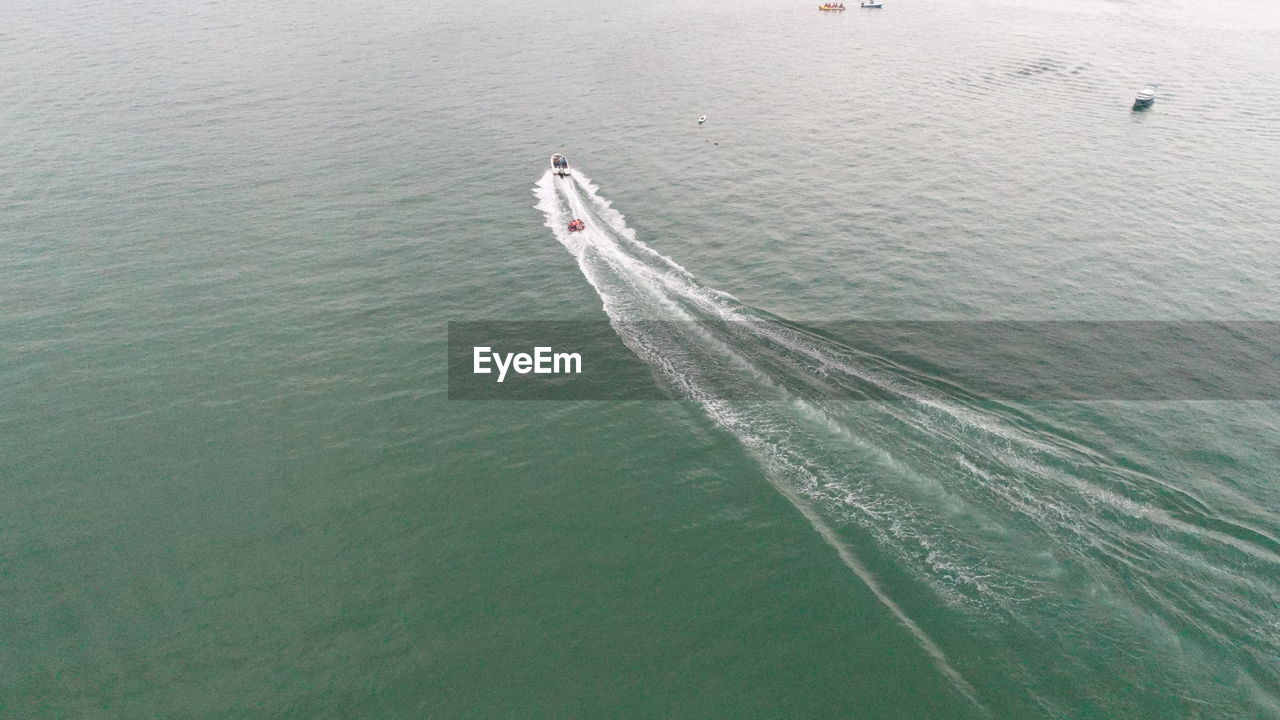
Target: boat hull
(1144, 98)
(559, 165)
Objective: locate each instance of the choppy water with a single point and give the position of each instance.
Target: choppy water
(233, 233)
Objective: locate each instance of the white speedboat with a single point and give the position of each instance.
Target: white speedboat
(702, 119)
(872, 5)
(1145, 97)
(559, 165)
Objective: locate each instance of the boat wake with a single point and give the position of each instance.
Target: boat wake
(916, 484)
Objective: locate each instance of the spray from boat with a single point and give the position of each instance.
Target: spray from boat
(1001, 522)
(637, 283)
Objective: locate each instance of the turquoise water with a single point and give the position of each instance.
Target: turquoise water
(234, 235)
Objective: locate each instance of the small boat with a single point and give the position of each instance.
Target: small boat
(1145, 97)
(829, 7)
(702, 119)
(872, 5)
(577, 225)
(559, 165)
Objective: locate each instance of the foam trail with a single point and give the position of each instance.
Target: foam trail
(1016, 527)
(852, 562)
(674, 294)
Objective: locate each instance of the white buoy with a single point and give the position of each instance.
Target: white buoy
(702, 119)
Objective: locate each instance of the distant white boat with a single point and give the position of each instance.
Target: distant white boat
(702, 119)
(1145, 96)
(872, 5)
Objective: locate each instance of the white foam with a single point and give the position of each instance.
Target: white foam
(637, 283)
(986, 522)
